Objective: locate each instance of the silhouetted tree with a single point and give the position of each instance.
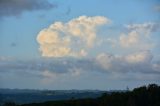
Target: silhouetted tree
(9, 104)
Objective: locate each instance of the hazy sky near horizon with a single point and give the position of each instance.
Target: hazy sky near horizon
(79, 44)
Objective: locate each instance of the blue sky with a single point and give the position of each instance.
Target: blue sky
(79, 44)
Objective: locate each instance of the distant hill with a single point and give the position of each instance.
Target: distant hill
(23, 96)
(142, 96)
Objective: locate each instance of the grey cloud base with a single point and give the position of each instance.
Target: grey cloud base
(17, 7)
(138, 66)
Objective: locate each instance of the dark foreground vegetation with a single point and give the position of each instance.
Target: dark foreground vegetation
(142, 96)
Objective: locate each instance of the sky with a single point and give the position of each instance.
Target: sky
(79, 44)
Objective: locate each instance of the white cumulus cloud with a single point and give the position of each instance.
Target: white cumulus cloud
(139, 57)
(73, 38)
(140, 62)
(138, 36)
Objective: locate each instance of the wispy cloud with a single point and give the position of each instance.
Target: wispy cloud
(157, 8)
(17, 7)
(68, 11)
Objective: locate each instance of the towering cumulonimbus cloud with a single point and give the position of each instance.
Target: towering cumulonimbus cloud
(73, 38)
(17, 7)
